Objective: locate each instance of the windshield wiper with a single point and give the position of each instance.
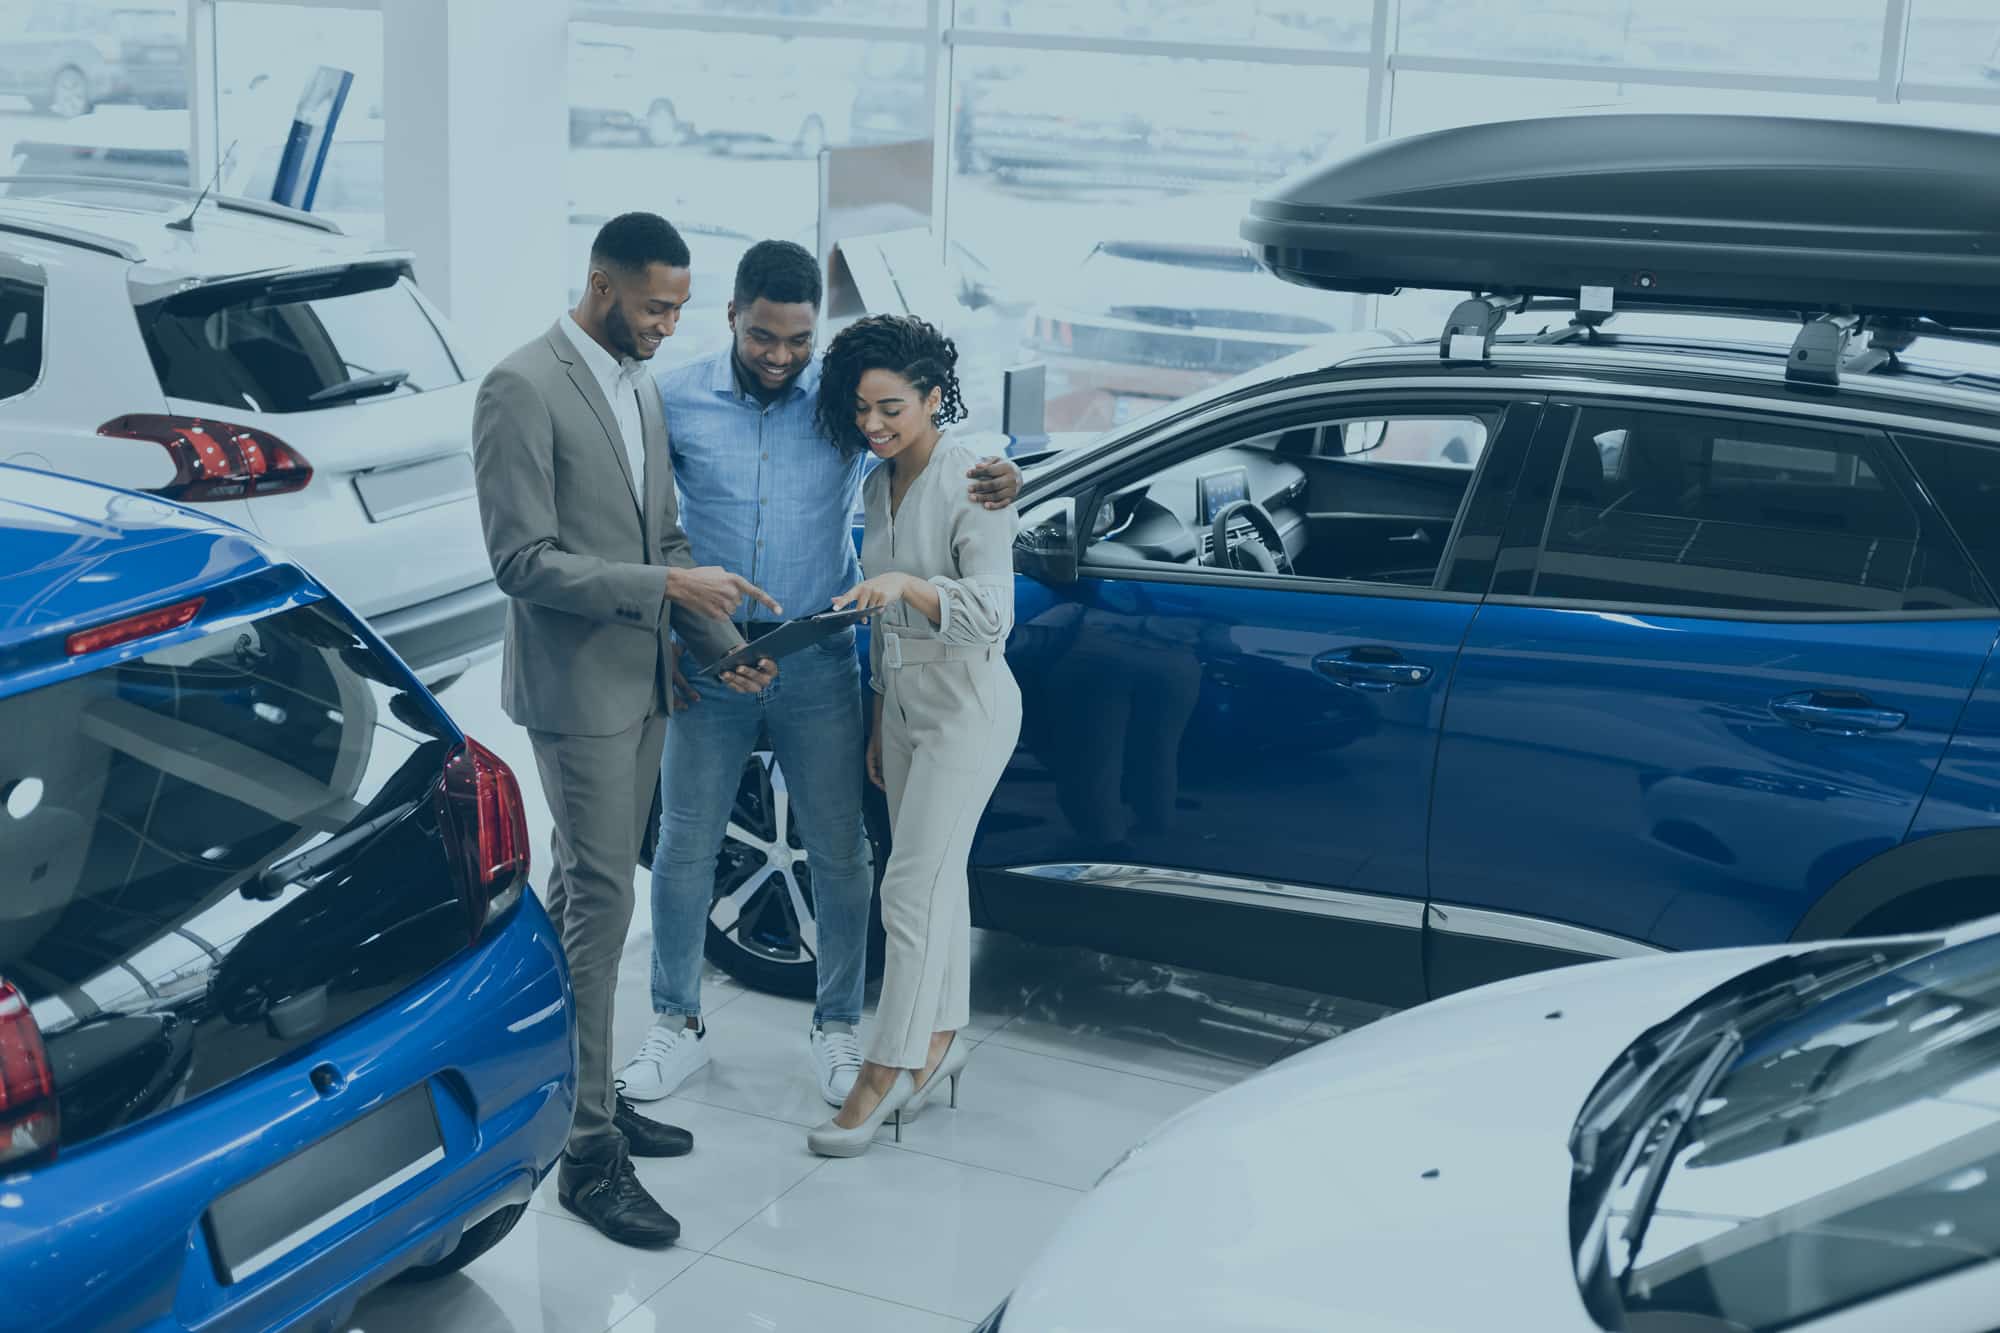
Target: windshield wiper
(1678, 1115)
(365, 387)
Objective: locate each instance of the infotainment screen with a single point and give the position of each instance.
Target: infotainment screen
(1216, 491)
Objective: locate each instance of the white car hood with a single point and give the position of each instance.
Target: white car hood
(1411, 1175)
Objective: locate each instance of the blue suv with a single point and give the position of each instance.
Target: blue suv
(1387, 675)
(1403, 665)
(278, 1020)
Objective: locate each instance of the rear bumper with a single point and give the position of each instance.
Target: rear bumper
(446, 634)
(113, 1237)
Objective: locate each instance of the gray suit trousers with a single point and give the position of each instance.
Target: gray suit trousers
(600, 790)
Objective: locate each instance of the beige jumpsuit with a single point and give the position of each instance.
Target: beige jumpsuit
(951, 713)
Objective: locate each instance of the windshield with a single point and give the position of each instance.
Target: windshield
(1845, 1151)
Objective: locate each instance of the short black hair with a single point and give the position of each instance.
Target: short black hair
(780, 271)
(632, 241)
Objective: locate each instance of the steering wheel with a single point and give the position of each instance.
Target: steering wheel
(1263, 552)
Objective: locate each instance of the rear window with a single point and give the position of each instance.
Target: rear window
(1665, 509)
(20, 335)
(298, 344)
(141, 807)
(1964, 480)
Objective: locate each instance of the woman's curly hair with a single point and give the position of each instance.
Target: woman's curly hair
(904, 344)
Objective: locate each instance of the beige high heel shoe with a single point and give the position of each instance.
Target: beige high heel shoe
(956, 1057)
(831, 1140)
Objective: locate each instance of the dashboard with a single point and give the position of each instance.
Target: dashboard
(1164, 519)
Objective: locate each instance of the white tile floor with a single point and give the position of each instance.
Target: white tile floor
(1079, 1055)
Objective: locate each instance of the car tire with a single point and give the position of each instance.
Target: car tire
(69, 93)
(757, 940)
(811, 138)
(663, 128)
(477, 1240)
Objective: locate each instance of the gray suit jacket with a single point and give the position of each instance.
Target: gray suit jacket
(582, 562)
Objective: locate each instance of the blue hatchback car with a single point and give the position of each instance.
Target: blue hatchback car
(278, 1018)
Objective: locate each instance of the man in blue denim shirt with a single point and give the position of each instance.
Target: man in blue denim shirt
(765, 495)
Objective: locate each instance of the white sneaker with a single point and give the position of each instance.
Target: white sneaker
(671, 1054)
(836, 1060)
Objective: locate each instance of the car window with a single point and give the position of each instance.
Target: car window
(21, 306)
(1846, 1153)
(1457, 442)
(1712, 513)
(1964, 480)
(1370, 500)
(283, 346)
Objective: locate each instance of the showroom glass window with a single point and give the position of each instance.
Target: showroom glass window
(265, 55)
(1737, 514)
(1953, 42)
(94, 88)
(1103, 193)
(721, 133)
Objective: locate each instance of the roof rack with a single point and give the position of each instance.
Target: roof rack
(76, 236)
(1820, 351)
(230, 203)
(1844, 226)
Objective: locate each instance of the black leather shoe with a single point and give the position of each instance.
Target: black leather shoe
(650, 1138)
(608, 1195)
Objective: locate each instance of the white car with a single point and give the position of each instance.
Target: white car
(1799, 1137)
(265, 366)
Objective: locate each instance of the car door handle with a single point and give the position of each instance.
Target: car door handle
(1844, 715)
(1376, 669)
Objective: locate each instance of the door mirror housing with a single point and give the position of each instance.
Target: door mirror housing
(1046, 548)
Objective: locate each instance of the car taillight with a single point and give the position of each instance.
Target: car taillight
(214, 460)
(29, 1122)
(142, 626)
(485, 827)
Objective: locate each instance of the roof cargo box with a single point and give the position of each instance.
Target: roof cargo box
(1746, 212)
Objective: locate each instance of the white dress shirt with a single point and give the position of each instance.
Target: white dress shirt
(621, 382)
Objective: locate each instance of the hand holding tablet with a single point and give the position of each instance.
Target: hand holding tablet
(789, 637)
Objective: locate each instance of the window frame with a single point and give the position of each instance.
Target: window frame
(1092, 487)
(1524, 546)
(15, 272)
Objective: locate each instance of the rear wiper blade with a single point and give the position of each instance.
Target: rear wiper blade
(365, 387)
(302, 867)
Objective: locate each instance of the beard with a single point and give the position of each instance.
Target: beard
(619, 330)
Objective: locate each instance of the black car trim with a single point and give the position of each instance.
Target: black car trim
(1938, 858)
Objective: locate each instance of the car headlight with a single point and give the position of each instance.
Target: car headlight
(992, 1322)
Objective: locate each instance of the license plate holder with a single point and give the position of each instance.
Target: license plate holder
(272, 1214)
(391, 492)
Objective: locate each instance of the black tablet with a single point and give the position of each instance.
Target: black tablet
(787, 638)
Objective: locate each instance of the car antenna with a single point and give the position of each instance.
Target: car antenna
(187, 223)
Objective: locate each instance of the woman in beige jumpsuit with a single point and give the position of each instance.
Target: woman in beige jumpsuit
(939, 566)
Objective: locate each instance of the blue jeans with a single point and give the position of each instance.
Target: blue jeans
(812, 713)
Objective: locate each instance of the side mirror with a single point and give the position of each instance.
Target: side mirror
(1046, 548)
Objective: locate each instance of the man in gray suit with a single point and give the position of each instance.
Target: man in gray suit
(576, 494)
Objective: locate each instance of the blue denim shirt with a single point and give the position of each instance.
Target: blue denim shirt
(763, 492)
